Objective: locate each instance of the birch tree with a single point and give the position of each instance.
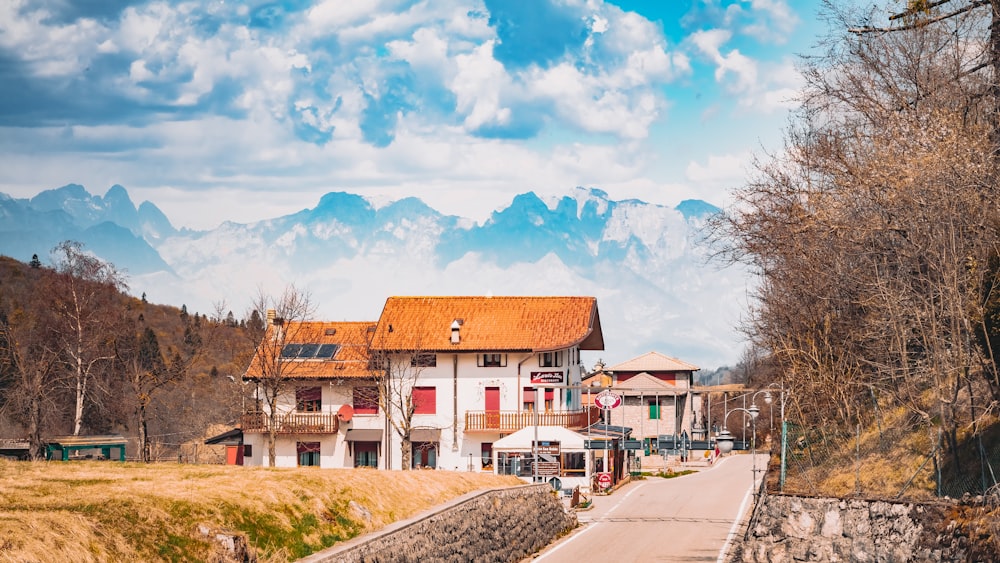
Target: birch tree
(84, 295)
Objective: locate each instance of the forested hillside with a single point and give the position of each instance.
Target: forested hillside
(78, 355)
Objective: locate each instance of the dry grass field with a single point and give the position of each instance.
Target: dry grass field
(109, 511)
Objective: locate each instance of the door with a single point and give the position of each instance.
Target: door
(493, 407)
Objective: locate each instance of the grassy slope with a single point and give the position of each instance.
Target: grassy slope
(106, 511)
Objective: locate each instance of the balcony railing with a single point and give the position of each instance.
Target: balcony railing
(291, 423)
(512, 421)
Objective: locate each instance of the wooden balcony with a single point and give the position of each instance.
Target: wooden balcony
(291, 423)
(512, 421)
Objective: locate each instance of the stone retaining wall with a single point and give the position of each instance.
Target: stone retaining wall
(791, 528)
(497, 525)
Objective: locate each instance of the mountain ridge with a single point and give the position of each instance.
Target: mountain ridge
(641, 260)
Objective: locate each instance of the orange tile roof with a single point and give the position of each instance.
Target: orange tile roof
(489, 323)
(350, 360)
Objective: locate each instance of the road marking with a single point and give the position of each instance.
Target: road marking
(593, 523)
(736, 524)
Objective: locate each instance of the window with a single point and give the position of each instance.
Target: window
(366, 454)
(529, 399)
(487, 455)
(550, 359)
(247, 450)
(365, 400)
(654, 409)
(549, 396)
(378, 361)
(574, 463)
(308, 453)
(492, 360)
(424, 455)
(309, 399)
(424, 400)
(424, 360)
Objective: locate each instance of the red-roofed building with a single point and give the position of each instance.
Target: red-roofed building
(471, 369)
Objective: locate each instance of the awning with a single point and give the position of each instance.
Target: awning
(425, 435)
(364, 435)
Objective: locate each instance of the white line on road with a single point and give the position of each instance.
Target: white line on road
(592, 524)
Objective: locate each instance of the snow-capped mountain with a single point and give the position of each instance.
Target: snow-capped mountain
(645, 263)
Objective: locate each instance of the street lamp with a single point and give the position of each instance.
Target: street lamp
(725, 440)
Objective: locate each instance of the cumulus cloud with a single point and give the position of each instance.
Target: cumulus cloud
(368, 94)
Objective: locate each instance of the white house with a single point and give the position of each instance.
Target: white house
(470, 369)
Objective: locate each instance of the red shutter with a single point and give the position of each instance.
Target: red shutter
(529, 394)
(424, 400)
(365, 400)
(549, 394)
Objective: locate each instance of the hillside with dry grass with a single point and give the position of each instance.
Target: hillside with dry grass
(107, 511)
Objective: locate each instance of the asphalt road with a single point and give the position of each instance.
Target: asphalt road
(690, 518)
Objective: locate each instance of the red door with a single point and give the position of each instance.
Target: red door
(493, 407)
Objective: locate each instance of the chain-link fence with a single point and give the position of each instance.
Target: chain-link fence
(880, 463)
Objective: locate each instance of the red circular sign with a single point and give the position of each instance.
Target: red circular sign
(608, 400)
(604, 480)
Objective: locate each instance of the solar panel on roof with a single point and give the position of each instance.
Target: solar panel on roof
(290, 350)
(327, 350)
(308, 350)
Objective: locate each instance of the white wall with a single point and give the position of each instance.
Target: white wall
(455, 447)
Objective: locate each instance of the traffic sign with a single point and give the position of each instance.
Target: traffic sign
(604, 480)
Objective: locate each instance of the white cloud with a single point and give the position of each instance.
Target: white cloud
(332, 14)
(477, 84)
(776, 23)
(719, 168)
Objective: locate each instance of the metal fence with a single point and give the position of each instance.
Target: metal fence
(879, 463)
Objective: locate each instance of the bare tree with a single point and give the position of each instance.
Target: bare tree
(28, 368)
(272, 368)
(875, 231)
(396, 375)
(85, 296)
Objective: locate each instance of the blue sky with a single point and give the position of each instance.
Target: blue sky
(245, 110)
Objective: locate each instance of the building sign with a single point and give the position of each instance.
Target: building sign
(547, 447)
(608, 400)
(548, 458)
(547, 377)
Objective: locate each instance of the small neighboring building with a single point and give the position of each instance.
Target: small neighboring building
(15, 449)
(66, 448)
(659, 399)
(233, 441)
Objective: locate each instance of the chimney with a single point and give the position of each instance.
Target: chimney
(270, 316)
(455, 326)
